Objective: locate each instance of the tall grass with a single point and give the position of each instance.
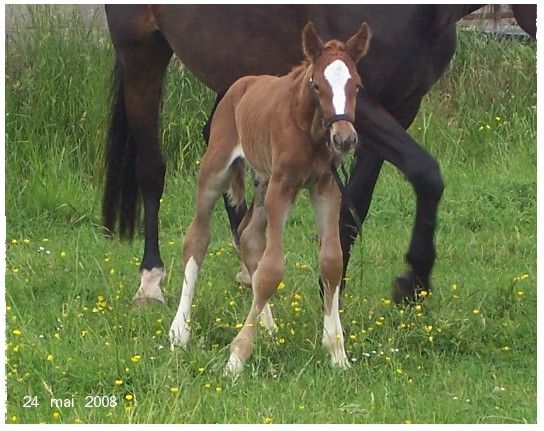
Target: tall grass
(467, 355)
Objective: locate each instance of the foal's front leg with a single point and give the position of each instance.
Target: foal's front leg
(325, 198)
(269, 273)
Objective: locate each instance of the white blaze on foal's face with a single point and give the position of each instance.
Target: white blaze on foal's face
(337, 75)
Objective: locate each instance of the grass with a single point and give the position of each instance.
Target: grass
(467, 355)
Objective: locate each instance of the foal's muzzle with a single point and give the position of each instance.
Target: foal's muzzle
(342, 136)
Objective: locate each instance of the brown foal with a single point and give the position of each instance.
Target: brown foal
(288, 129)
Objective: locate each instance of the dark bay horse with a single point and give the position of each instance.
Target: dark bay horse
(412, 46)
(288, 129)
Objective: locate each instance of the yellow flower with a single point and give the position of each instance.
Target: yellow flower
(267, 420)
(174, 390)
(281, 285)
(49, 357)
(118, 382)
(428, 328)
(281, 340)
(129, 397)
(77, 420)
(519, 292)
(136, 358)
(239, 325)
(386, 302)
(454, 286)
(56, 415)
(232, 302)
(16, 332)
(56, 335)
(505, 349)
(218, 389)
(423, 293)
(62, 254)
(207, 385)
(14, 241)
(476, 311)
(26, 241)
(201, 370)
(13, 419)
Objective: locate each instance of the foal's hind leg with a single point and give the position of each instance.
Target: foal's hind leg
(253, 243)
(325, 198)
(214, 178)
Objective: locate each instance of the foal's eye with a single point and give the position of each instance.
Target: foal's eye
(316, 87)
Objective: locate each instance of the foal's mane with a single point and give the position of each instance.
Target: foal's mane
(334, 46)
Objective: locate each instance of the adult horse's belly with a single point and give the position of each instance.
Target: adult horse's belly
(220, 44)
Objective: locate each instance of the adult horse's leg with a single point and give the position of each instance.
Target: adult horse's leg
(235, 213)
(390, 141)
(142, 57)
(360, 186)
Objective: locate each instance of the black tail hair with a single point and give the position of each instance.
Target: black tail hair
(121, 194)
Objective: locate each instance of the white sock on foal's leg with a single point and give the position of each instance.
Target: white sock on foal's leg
(180, 329)
(267, 319)
(149, 289)
(333, 334)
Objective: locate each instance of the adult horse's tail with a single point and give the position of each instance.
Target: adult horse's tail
(120, 202)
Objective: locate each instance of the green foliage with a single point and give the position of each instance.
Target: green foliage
(466, 354)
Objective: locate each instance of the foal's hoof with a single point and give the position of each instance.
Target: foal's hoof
(407, 288)
(341, 362)
(243, 276)
(142, 301)
(234, 366)
(179, 335)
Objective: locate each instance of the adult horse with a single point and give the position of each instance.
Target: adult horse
(412, 46)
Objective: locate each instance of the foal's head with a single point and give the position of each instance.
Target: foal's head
(335, 82)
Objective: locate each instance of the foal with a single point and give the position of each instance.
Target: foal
(288, 129)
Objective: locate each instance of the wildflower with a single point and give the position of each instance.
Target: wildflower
(49, 357)
(129, 397)
(239, 325)
(56, 415)
(476, 311)
(454, 286)
(218, 389)
(13, 419)
(26, 241)
(267, 420)
(201, 370)
(232, 302)
(386, 301)
(14, 241)
(519, 292)
(498, 118)
(15, 270)
(281, 340)
(423, 293)
(135, 358)
(174, 390)
(281, 285)
(16, 332)
(207, 385)
(77, 420)
(118, 382)
(407, 421)
(430, 338)
(505, 349)
(428, 328)
(83, 333)
(62, 254)
(112, 271)
(301, 407)
(297, 297)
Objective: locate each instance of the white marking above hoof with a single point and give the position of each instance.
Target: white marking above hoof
(149, 290)
(267, 320)
(243, 276)
(179, 333)
(234, 366)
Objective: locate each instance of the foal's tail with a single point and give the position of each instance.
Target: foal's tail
(120, 202)
(237, 187)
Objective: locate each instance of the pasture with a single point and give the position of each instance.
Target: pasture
(466, 354)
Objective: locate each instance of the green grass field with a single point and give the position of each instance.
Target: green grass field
(466, 355)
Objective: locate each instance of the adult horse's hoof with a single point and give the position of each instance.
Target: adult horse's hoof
(149, 291)
(407, 288)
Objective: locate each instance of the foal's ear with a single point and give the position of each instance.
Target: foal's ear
(357, 45)
(312, 45)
